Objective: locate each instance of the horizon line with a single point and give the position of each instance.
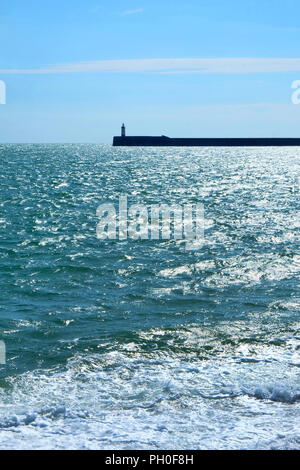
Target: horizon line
(225, 65)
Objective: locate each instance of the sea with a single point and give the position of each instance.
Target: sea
(143, 343)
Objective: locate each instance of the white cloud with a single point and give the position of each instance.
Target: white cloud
(133, 12)
(204, 66)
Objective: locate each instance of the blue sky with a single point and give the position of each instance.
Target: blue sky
(74, 70)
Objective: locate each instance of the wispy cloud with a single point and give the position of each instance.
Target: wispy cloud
(133, 12)
(202, 66)
(95, 8)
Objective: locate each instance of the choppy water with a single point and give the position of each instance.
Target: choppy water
(142, 344)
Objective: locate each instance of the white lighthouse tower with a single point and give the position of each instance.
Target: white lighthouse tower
(123, 130)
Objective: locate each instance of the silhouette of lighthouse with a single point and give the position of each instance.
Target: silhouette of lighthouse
(123, 130)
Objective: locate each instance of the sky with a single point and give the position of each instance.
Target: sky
(75, 70)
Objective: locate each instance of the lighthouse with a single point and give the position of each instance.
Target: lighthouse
(123, 130)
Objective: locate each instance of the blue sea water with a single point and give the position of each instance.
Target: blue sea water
(142, 344)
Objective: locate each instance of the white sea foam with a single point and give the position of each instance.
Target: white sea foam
(127, 399)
